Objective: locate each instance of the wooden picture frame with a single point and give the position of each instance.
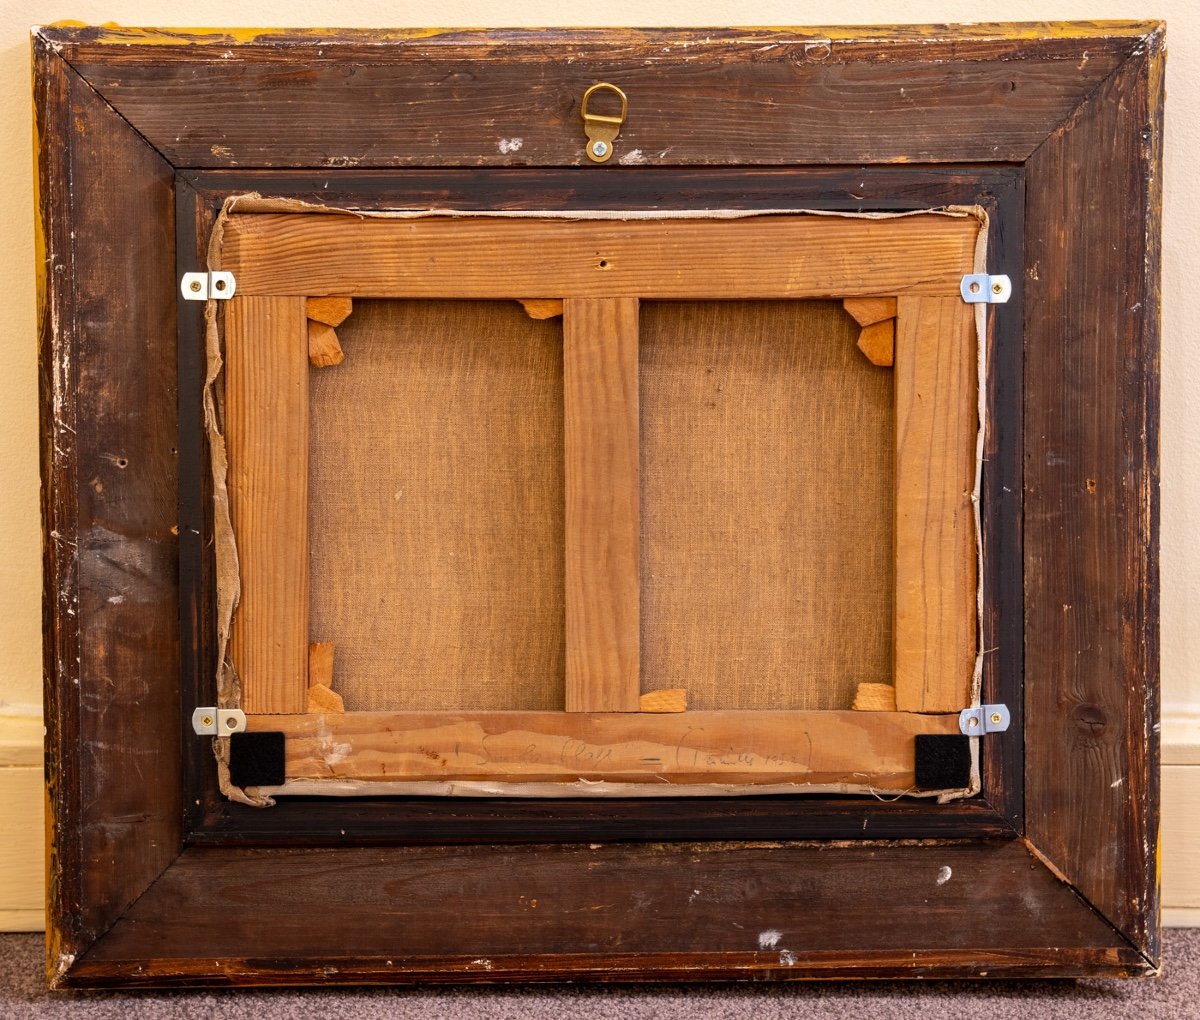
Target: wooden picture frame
(156, 880)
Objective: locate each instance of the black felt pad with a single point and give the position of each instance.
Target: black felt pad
(943, 761)
(256, 759)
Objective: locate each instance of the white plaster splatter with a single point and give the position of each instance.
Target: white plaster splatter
(944, 874)
(695, 895)
(787, 957)
(632, 158)
(333, 753)
(507, 145)
(1112, 786)
(116, 600)
(769, 939)
(63, 963)
(339, 753)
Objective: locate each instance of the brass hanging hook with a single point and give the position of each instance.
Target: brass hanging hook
(601, 130)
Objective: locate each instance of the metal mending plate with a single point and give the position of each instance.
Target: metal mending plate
(975, 722)
(982, 289)
(218, 722)
(218, 286)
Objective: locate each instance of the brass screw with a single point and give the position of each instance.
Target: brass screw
(996, 717)
(996, 288)
(195, 286)
(207, 720)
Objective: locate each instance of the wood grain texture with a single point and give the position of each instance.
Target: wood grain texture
(816, 748)
(322, 699)
(324, 350)
(674, 700)
(867, 311)
(878, 343)
(653, 912)
(936, 425)
(603, 504)
(758, 257)
(109, 487)
(1091, 497)
(1003, 623)
(332, 310)
(320, 663)
(875, 698)
(542, 308)
(716, 96)
(266, 401)
(620, 188)
(106, 322)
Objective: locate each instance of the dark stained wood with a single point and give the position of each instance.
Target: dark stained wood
(1003, 631)
(608, 911)
(968, 963)
(197, 567)
(986, 95)
(109, 474)
(695, 97)
(379, 821)
(864, 188)
(1091, 497)
(66, 930)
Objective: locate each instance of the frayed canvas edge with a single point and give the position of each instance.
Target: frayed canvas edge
(228, 571)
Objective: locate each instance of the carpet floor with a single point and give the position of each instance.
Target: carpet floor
(1174, 996)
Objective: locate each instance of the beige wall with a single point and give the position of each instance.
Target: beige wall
(20, 620)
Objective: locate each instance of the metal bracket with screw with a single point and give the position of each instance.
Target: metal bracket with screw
(219, 286)
(975, 722)
(982, 289)
(601, 130)
(218, 722)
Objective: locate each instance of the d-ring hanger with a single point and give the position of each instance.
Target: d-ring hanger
(601, 131)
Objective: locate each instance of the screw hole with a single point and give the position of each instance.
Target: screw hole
(219, 284)
(974, 288)
(604, 263)
(122, 462)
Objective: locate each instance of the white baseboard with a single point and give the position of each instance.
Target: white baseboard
(22, 921)
(21, 733)
(22, 847)
(22, 833)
